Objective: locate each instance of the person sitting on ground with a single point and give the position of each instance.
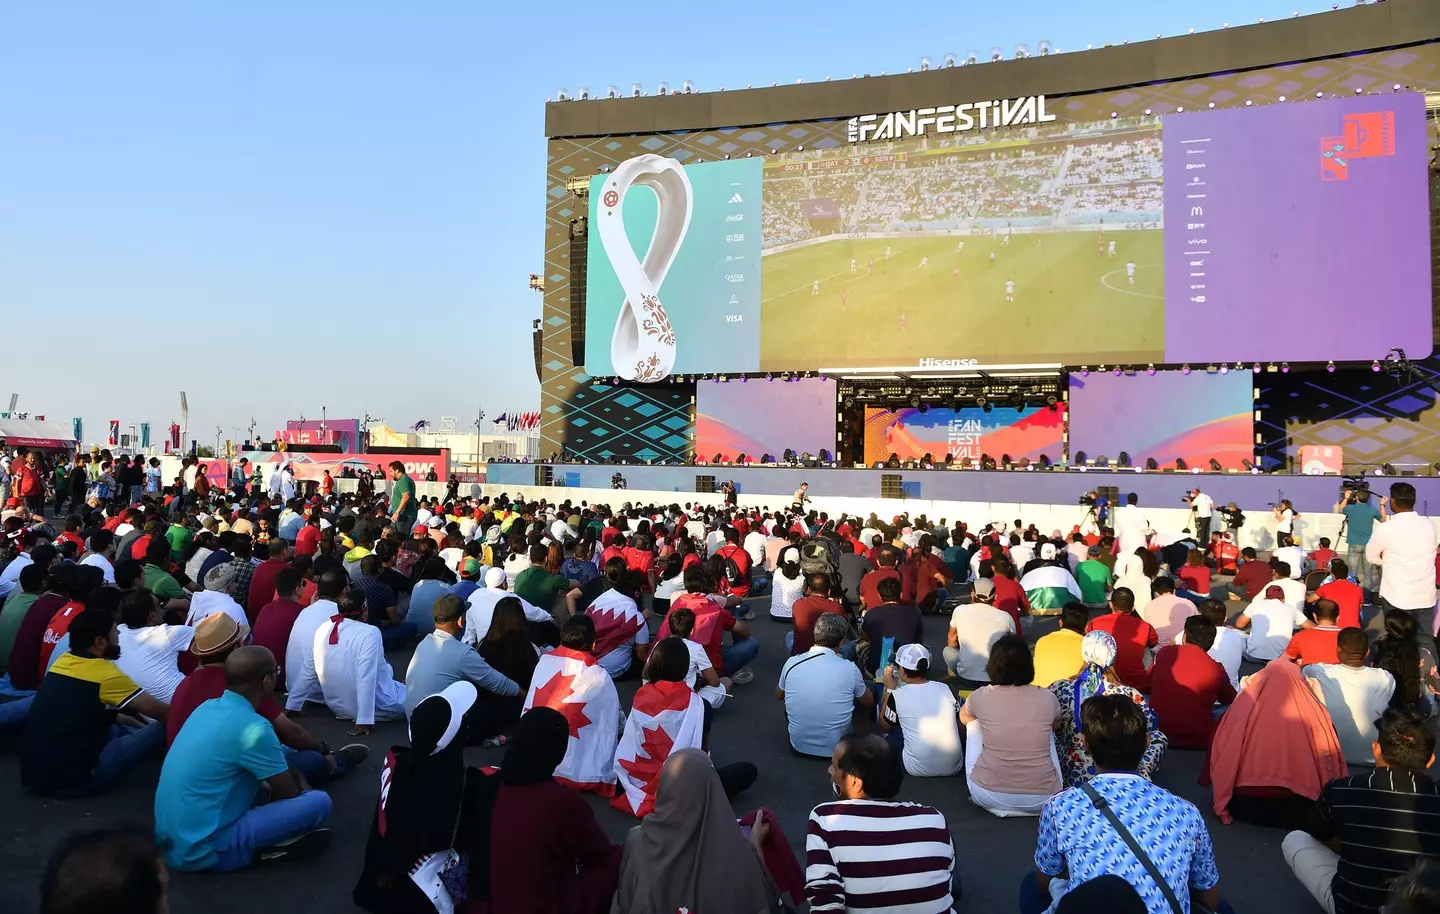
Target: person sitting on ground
(1098, 678)
(150, 649)
(1186, 685)
(1354, 694)
(204, 818)
(507, 646)
(542, 584)
(1167, 611)
(865, 849)
(1399, 652)
(821, 597)
(33, 581)
(788, 585)
(821, 690)
(885, 561)
(276, 619)
(1270, 621)
(921, 719)
(1323, 555)
(1317, 644)
(1368, 828)
(1134, 638)
(216, 638)
(1292, 555)
(115, 869)
(1229, 646)
(1194, 577)
(701, 675)
(712, 621)
(929, 572)
(348, 664)
(481, 607)
(889, 626)
(974, 628)
(1136, 572)
(1048, 583)
(569, 679)
(1010, 597)
(75, 742)
(1057, 655)
(1347, 595)
(1094, 577)
(1010, 760)
(220, 583)
(580, 566)
(442, 659)
(1252, 577)
(1078, 842)
(689, 853)
(622, 635)
(1272, 751)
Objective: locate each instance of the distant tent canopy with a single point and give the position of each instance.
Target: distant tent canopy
(39, 433)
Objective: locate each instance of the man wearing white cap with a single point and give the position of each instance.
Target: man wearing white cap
(481, 606)
(921, 717)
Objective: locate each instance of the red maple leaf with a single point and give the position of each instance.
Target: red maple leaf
(645, 769)
(553, 694)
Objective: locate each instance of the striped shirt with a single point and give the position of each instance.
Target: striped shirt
(873, 855)
(1387, 821)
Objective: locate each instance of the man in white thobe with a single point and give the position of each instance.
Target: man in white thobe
(349, 664)
(1132, 530)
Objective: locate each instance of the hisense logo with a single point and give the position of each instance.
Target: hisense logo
(949, 363)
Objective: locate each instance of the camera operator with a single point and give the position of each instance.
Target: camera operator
(1204, 509)
(1360, 520)
(617, 481)
(1234, 519)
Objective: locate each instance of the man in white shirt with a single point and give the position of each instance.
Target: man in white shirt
(1354, 694)
(480, 607)
(1021, 554)
(348, 664)
(1229, 647)
(1404, 548)
(149, 649)
(1286, 579)
(300, 648)
(102, 556)
(1271, 620)
(192, 469)
(10, 577)
(974, 628)
(1292, 555)
(1132, 529)
(755, 545)
(1204, 509)
(821, 690)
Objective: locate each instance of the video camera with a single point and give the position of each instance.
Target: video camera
(1086, 499)
(1357, 486)
(617, 481)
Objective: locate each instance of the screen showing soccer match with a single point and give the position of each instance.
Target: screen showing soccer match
(1295, 231)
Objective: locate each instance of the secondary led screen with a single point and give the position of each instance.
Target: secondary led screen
(758, 417)
(1195, 417)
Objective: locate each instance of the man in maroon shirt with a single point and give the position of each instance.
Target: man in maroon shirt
(930, 574)
(276, 618)
(24, 664)
(885, 569)
(1009, 595)
(216, 637)
(808, 610)
(1186, 685)
(1133, 637)
(262, 582)
(1251, 578)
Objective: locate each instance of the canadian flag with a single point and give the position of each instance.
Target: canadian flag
(572, 683)
(666, 716)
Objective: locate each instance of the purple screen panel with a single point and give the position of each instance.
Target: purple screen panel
(1298, 231)
(758, 417)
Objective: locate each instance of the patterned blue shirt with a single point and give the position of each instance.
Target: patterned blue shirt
(1075, 838)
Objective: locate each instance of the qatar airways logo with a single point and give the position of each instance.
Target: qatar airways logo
(1007, 112)
(949, 363)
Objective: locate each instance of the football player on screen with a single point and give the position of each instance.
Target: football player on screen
(815, 288)
(1009, 290)
(924, 263)
(1130, 271)
(1112, 248)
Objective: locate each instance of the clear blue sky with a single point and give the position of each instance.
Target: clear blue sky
(278, 205)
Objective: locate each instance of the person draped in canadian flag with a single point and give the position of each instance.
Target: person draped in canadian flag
(668, 715)
(570, 680)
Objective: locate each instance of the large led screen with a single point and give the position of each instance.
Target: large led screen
(1195, 417)
(1294, 231)
(758, 417)
(971, 433)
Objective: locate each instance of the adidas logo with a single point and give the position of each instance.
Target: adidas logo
(736, 199)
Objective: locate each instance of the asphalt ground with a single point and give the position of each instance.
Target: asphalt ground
(992, 854)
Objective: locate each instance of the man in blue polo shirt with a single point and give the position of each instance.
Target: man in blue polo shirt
(206, 817)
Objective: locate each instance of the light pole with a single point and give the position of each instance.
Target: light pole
(479, 417)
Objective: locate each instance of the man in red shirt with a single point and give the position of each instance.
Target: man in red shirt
(885, 569)
(1345, 593)
(807, 610)
(1252, 577)
(277, 617)
(1009, 595)
(733, 552)
(262, 582)
(29, 484)
(1321, 643)
(1322, 557)
(1133, 637)
(216, 637)
(1187, 684)
(930, 573)
(307, 541)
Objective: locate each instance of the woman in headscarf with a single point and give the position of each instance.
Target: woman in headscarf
(1273, 751)
(544, 843)
(1138, 574)
(418, 843)
(789, 585)
(1098, 678)
(689, 853)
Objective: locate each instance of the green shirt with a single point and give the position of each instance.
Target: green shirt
(402, 487)
(1093, 577)
(180, 537)
(10, 618)
(538, 586)
(160, 582)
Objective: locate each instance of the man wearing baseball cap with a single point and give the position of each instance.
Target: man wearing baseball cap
(470, 573)
(921, 720)
(974, 626)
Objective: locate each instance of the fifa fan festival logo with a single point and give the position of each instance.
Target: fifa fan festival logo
(1363, 136)
(642, 347)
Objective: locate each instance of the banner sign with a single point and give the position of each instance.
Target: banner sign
(114, 432)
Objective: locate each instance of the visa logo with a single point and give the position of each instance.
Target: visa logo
(734, 318)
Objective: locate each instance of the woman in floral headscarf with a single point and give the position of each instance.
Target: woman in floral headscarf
(1097, 678)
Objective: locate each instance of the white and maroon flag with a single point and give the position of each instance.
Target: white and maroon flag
(572, 683)
(666, 716)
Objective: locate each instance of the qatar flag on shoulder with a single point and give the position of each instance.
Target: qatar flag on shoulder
(572, 683)
(666, 716)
